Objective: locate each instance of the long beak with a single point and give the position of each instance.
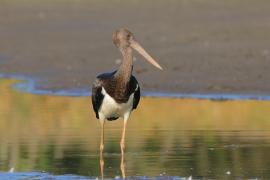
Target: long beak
(135, 45)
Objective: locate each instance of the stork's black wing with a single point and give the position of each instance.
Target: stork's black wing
(136, 89)
(97, 96)
(137, 96)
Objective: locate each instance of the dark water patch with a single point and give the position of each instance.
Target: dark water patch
(29, 84)
(46, 176)
(41, 175)
(212, 96)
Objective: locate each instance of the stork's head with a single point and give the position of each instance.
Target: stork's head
(123, 39)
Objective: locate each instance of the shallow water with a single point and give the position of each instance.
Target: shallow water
(165, 137)
(29, 84)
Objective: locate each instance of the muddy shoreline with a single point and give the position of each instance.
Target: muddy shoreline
(205, 47)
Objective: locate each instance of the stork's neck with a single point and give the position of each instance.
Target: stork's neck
(125, 70)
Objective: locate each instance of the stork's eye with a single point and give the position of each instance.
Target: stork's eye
(128, 36)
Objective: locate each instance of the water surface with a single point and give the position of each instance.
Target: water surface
(165, 138)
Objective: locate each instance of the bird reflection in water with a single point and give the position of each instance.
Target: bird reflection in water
(122, 164)
(101, 162)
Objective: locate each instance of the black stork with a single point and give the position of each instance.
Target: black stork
(117, 93)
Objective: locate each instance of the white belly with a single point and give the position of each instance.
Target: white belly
(110, 108)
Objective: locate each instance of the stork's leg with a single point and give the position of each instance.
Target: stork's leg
(101, 163)
(123, 166)
(101, 147)
(122, 142)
